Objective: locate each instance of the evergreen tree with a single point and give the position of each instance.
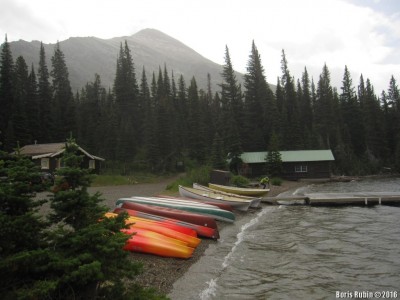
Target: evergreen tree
(64, 111)
(6, 92)
(306, 110)
(164, 129)
(196, 135)
(46, 132)
(19, 117)
(218, 155)
(126, 97)
(88, 260)
(90, 114)
(351, 113)
(260, 106)
(274, 158)
(373, 121)
(393, 115)
(32, 106)
(231, 113)
(292, 136)
(152, 151)
(21, 230)
(324, 110)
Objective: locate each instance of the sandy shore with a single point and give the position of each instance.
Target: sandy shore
(159, 272)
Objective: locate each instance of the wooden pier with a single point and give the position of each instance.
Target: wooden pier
(316, 199)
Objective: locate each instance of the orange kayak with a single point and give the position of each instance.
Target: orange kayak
(146, 241)
(153, 226)
(200, 230)
(163, 223)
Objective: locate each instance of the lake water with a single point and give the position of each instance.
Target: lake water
(304, 252)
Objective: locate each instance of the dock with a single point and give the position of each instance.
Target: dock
(320, 199)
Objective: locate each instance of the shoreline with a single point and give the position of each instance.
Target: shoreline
(161, 273)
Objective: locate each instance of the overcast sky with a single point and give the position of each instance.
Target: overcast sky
(362, 34)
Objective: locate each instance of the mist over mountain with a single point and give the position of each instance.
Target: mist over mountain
(150, 48)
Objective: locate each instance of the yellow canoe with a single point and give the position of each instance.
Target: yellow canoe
(238, 190)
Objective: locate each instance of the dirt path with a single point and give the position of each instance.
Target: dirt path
(110, 194)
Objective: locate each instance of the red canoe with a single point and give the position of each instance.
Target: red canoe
(199, 229)
(172, 213)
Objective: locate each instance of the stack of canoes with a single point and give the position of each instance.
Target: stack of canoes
(158, 222)
(183, 204)
(156, 238)
(170, 226)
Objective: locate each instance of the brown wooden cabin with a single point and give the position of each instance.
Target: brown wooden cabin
(296, 164)
(49, 157)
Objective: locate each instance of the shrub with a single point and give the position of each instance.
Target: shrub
(276, 181)
(240, 181)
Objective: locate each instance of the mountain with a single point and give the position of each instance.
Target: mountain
(150, 49)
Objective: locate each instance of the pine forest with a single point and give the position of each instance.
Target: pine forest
(153, 122)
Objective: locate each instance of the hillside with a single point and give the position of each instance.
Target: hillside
(150, 48)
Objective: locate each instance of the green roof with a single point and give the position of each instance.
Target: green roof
(290, 156)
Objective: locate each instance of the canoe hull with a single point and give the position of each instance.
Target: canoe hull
(172, 213)
(201, 231)
(255, 201)
(144, 241)
(242, 205)
(239, 191)
(198, 208)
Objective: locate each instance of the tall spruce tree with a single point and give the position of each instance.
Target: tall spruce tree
(231, 113)
(7, 92)
(19, 118)
(393, 115)
(260, 107)
(351, 113)
(32, 106)
(22, 248)
(64, 110)
(273, 158)
(292, 135)
(306, 109)
(88, 260)
(373, 121)
(46, 106)
(126, 96)
(324, 110)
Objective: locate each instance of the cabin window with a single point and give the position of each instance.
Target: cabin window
(60, 163)
(45, 163)
(300, 169)
(92, 164)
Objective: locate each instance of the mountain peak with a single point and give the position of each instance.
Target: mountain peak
(150, 48)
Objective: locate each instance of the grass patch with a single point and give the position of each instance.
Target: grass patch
(184, 181)
(199, 175)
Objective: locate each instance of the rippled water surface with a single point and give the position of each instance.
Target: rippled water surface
(303, 252)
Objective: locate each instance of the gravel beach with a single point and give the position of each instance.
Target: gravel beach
(159, 272)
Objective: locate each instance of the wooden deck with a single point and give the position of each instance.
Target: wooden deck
(361, 198)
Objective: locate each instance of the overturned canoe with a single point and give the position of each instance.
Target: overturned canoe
(155, 226)
(200, 230)
(146, 241)
(190, 206)
(255, 201)
(238, 190)
(239, 204)
(220, 205)
(172, 213)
